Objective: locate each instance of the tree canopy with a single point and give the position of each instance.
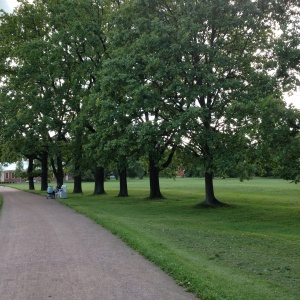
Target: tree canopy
(115, 81)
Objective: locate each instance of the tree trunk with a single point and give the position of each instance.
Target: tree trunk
(58, 170)
(123, 183)
(99, 181)
(210, 199)
(154, 180)
(29, 171)
(77, 189)
(44, 175)
(77, 158)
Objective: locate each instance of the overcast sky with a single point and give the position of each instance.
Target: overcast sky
(8, 6)
(294, 99)
(5, 6)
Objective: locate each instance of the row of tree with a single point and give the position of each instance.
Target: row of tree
(98, 83)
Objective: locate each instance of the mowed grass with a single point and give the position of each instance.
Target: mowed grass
(250, 250)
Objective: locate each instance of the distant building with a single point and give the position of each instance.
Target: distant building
(180, 172)
(8, 172)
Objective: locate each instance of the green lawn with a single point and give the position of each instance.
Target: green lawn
(250, 250)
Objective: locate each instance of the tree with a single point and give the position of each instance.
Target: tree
(161, 75)
(81, 29)
(58, 46)
(115, 144)
(24, 132)
(182, 69)
(232, 61)
(136, 170)
(277, 149)
(141, 112)
(19, 169)
(79, 36)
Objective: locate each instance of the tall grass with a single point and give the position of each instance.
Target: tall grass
(250, 250)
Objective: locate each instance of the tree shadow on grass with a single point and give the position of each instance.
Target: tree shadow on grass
(204, 205)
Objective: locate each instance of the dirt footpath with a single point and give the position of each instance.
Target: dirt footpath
(48, 251)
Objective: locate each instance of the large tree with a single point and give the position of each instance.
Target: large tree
(277, 139)
(136, 95)
(81, 29)
(24, 130)
(229, 59)
(58, 46)
(176, 74)
(184, 68)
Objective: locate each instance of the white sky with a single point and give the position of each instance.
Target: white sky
(12, 3)
(8, 6)
(294, 99)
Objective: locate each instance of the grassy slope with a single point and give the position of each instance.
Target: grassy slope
(248, 251)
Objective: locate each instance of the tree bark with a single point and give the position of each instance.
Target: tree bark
(44, 175)
(210, 199)
(99, 181)
(77, 189)
(29, 171)
(123, 183)
(58, 171)
(77, 158)
(154, 180)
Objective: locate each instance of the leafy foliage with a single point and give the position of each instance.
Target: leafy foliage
(103, 83)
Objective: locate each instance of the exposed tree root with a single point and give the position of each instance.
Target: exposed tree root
(216, 203)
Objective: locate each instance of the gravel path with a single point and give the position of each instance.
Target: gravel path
(48, 251)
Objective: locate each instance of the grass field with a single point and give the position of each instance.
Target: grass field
(250, 250)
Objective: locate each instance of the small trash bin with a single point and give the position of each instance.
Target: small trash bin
(63, 192)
